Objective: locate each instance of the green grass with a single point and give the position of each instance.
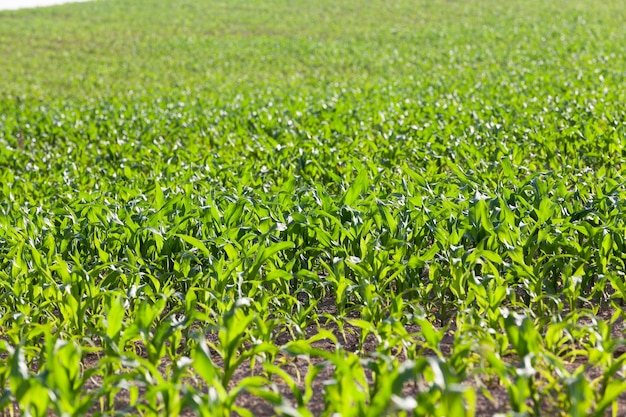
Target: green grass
(363, 208)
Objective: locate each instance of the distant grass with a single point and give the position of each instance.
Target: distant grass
(111, 47)
(418, 200)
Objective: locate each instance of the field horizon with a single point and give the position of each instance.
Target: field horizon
(26, 4)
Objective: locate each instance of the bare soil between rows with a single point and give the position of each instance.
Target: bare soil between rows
(491, 396)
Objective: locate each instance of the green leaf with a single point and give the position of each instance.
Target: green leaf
(196, 243)
(359, 185)
(267, 253)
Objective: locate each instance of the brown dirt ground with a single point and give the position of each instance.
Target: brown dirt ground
(497, 404)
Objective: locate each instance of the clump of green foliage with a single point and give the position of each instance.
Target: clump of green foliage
(356, 208)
